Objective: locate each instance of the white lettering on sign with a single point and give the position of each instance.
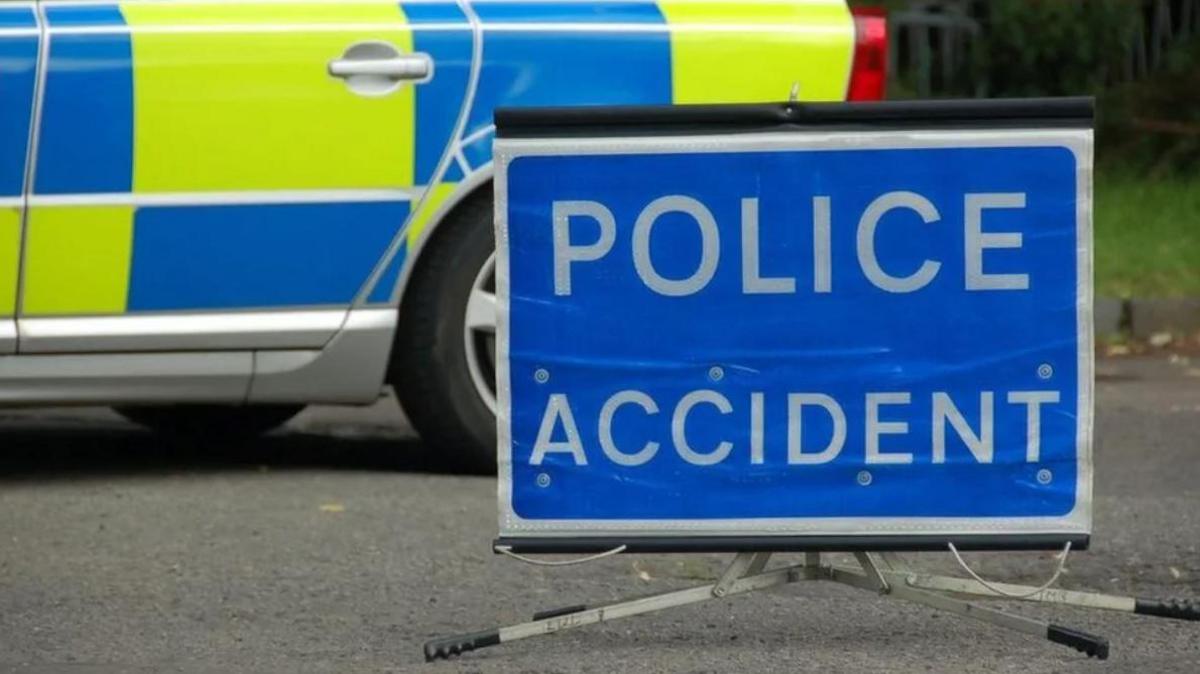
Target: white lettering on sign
(796, 403)
(876, 428)
(752, 282)
(866, 242)
(679, 433)
(979, 445)
(822, 246)
(710, 243)
(565, 253)
(756, 427)
(558, 420)
(976, 240)
(569, 257)
(1033, 401)
(558, 413)
(607, 413)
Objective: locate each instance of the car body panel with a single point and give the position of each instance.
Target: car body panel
(672, 51)
(201, 183)
(224, 169)
(745, 52)
(19, 41)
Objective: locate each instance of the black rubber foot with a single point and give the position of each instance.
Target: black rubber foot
(1179, 609)
(446, 647)
(1094, 646)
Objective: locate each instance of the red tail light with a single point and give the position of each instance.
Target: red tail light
(868, 76)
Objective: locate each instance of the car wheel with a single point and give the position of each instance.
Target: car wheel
(200, 421)
(444, 362)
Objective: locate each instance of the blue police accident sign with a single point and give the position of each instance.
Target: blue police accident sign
(801, 332)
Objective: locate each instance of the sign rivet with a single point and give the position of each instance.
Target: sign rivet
(541, 375)
(864, 478)
(1044, 476)
(543, 480)
(1045, 371)
(715, 373)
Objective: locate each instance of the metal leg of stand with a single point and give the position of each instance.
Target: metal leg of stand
(734, 581)
(812, 565)
(1176, 608)
(1179, 609)
(885, 573)
(867, 562)
(758, 564)
(870, 578)
(743, 564)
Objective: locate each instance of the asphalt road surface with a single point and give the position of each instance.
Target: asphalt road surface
(334, 547)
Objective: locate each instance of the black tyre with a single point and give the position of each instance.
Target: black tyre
(443, 364)
(210, 421)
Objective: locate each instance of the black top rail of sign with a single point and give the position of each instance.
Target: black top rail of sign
(601, 121)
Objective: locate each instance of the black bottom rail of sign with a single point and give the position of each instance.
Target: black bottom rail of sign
(689, 544)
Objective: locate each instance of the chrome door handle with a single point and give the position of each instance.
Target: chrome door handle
(414, 67)
(377, 68)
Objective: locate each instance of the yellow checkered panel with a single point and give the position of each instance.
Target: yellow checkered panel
(10, 254)
(235, 96)
(753, 52)
(77, 259)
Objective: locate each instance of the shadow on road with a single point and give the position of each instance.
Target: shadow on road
(54, 451)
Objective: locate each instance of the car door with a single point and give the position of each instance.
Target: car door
(19, 37)
(227, 175)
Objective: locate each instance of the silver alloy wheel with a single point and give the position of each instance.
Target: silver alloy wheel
(479, 332)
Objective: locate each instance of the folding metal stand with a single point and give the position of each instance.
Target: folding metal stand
(880, 572)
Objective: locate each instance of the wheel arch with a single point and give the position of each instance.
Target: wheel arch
(473, 185)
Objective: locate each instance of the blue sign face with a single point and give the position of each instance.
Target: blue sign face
(833, 338)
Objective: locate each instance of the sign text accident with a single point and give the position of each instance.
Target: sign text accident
(796, 332)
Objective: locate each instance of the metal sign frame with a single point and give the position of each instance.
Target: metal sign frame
(878, 570)
(885, 573)
(725, 128)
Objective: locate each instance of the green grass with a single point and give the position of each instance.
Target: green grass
(1147, 236)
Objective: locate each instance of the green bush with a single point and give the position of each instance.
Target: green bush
(1053, 47)
(1153, 126)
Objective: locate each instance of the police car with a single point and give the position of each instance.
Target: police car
(213, 213)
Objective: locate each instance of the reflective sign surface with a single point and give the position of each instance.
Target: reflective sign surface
(883, 332)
